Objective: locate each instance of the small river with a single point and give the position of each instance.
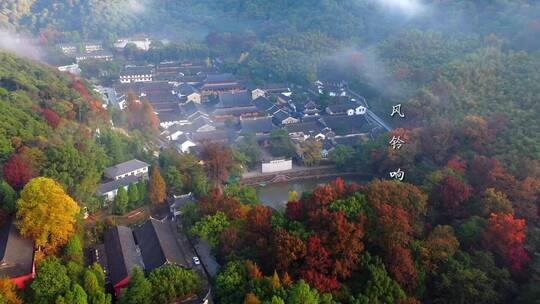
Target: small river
(277, 195)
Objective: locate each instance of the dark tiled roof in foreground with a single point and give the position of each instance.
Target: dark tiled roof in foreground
(122, 254)
(158, 245)
(16, 252)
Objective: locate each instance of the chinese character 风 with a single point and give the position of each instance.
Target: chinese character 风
(396, 142)
(397, 110)
(398, 174)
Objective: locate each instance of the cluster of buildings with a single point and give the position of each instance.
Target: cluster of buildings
(95, 50)
(85, 50)
(196, 104)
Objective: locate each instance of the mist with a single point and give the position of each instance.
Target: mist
(409, 8)
(19, 45)
(134, 6)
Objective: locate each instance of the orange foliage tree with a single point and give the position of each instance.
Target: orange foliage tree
(506, 235)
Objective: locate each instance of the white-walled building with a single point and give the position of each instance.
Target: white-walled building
(109, 190)
(72, 69)
(348, 108)
(184, 143)
(132, 167)
(276, 165)
(137, 74)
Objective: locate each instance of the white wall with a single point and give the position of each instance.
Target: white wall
(277, 165)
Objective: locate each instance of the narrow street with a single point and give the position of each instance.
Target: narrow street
(208, 266)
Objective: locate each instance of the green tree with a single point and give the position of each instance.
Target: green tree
(232, 283)
(142, 188)
(245, 195)
(210, 227)
(6, 148)
(172, 283)
(73, 251)
(462, 283)
(249, 147)
(121, 201)
(138, 291)
(276, 300)
(74, 270)
(301, 293)
(282, 145)
(494, 201)
(352, 206)
(133, 193)
(173, 179)
(51, 281)
(375, 284)
(77, 169)
(8, 198)
(310, 150)
(342, 156)
(76, 294)
(470, 231)
(93, 282)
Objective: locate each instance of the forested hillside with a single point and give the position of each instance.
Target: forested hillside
(49, 126)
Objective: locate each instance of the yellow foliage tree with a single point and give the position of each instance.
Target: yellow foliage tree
(274, 281)
(46, 214)
(8, 293)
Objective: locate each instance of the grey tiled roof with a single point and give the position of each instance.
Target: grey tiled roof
(234, 99)
(304, 127)
(342, 107)
(180, 201)
(257, 126)
(220, 78)
(115, 184)
(263, 104)
(125, 167)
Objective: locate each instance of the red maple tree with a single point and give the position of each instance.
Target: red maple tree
(451, 194)
(51, 117)
(506, 235)
(16, 172)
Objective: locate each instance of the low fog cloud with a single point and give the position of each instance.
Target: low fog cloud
(19, 45)
(410, 8)
(366, 65)
(135, 6)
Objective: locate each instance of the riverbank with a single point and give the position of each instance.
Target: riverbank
(297, 173)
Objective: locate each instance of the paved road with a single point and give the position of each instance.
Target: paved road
(189, 252)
